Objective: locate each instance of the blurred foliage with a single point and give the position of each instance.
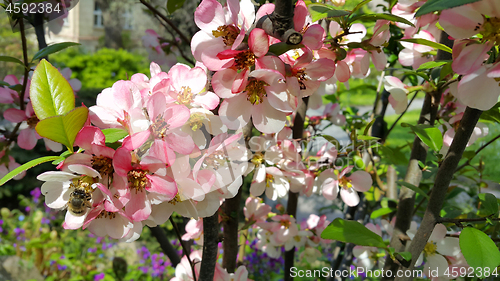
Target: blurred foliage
(101, 69)
(35, 234)
(10, 46)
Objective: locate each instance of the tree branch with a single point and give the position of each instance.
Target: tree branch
(231, 208)
(165, 245)
(210, 247)
(279, 24)
(184, 249)
(457, 221)
(441, 183)
(298, 130)
(188, 59)
(413, 176)
(477, 152)
(169, 22)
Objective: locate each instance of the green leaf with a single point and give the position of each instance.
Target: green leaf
(352, 232)
(54, 48)
(428, 43)
(393, 155)
(489, 204)
(63, 128)
(374, 17)
(50, 92)
(493, 114)
(361, 137)
(321, 11)
(332, 140)
(431, 64)
(62, 157)
(414, 188)
(367, 128)
(381, 212)
(174, 5)
(282, 47)
(405, 255)
(25, 167)
(114, 134)
(439, 5)
(410, 74)
(360, 5)
(445, 71)
(478, 249)
(11, 59)
(431, 136)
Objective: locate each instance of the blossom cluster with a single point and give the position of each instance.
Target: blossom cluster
(275, 231)
(256, 82)
(164, 164)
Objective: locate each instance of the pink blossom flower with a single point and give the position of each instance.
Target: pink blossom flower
(306, 73)
(415, 54)
(479, 89)
(5, 168)
(28, 136)
(349, 186)
(184, 272)
(221, 29)
(120, 107)
(75, 84)
(188, 87)
(241, 61)
(194, 231)
(241, 274)
(156, 53)
(147, 176)
(264, 98)
(256, 210)
(271, 180)
(7, 95)
(59, 185)
(398, 90)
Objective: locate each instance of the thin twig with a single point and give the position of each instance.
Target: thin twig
(183, 247)
(476, 153)
(455, 221)
(26, 64)
(188, 59)
(169, 22)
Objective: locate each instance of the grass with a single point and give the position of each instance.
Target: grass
(401, 135)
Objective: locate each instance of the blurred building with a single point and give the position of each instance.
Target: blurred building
(85, 25)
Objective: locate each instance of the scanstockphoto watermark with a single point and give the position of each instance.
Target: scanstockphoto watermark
(353, 272)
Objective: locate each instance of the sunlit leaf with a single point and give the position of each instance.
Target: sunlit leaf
(54, 48)
(50, 92)
(439, 5)
(428, 43)
(25, 167)
(478, 249)
(63, 128)
(348, 231)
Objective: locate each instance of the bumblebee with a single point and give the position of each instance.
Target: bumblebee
(79, 201)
